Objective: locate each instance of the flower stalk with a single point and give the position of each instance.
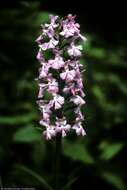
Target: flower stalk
(60, 82)
(57, 162)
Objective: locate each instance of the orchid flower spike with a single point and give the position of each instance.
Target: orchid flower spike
(60, 77)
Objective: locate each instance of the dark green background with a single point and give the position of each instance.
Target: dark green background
(95, 161)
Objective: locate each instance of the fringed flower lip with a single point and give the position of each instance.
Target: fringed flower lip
(60, 76)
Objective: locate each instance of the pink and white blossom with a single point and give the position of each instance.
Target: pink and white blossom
(49, 133)
(49, 32)
(53, 87)
(68, 75)
(48, 29)
(77, 100)
(45, 109)
(79, 115)
(57, 63)
(58, 101)
(70, 28)
(39, 40)
(40, 56)
(79, 129)
(43, 72)
(45, 123)
(74, 50)
(53, 20)
(42, 88)
(62, 127)
(49, 45)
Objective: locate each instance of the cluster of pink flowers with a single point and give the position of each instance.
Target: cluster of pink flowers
(60, 76)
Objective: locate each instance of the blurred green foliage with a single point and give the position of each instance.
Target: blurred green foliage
(24, 155)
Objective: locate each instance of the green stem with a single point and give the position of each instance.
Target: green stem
(57, 162)
(35, 175)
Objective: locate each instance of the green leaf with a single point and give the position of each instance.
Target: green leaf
(96, 53)
(35, 175)
(78, 152)
(115, 180)
(120, 84)
(68, 185)
(100, 96)
(110, 150)
(42, 17)
(27, 134)
(18, 119)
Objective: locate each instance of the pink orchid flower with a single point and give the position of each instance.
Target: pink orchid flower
(57, 63)
(49, 45)
(77, 100)
(49, 133)
(68, 75)
(74, 50)
(79, 129)
(58, 101)
(62, 127)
